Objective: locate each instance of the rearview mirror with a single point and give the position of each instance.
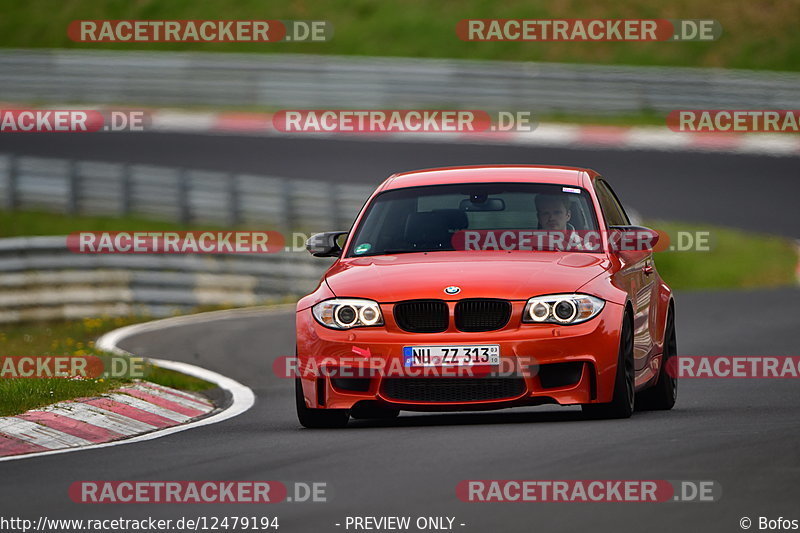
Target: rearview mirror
(325, 244)
(479, 203)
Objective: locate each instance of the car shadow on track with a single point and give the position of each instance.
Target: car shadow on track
(472, 418)
(410, 419)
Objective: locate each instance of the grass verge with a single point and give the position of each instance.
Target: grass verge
(735, 259)
(756, 35)
(37, 223)
(76, 339)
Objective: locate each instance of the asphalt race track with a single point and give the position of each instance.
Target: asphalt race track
(743, 434)
(759, 193)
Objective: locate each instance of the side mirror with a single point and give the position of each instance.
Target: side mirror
(325, 244)
(632, 239)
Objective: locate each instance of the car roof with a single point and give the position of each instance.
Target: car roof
(489, 173)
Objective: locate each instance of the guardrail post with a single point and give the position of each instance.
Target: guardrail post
(12, 194)
(288, 205)
(73, 188)
(334, 204)
(184, 205)
(126, 190)
(234, 207)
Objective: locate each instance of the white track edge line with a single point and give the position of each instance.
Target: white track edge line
(243, 397)
(109, 341)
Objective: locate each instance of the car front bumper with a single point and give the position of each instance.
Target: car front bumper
(541, 363)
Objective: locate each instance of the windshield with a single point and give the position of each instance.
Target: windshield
(445, 217)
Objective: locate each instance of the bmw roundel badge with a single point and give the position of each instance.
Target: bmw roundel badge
(452, 289)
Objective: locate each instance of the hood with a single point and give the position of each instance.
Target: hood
(515, 275)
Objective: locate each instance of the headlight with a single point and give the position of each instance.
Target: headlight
(346, 313)
(562, 308)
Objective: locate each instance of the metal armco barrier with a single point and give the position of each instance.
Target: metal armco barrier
(40, 279)
(307, 81)
(177, 194)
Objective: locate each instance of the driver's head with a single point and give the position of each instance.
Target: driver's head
(553, 211)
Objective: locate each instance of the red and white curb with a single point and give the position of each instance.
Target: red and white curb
(546, 134)
(139, 408)
(137, 412)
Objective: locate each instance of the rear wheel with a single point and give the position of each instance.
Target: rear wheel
(662, 395)
(622, 403)
(317, 418)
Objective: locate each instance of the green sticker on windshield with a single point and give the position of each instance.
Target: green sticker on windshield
(363, 248)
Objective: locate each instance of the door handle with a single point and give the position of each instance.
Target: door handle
(647, 269)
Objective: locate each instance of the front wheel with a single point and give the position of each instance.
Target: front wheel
(622, 403)
(662, 395)
(317, 418)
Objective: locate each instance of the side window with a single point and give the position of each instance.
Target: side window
(612, 209)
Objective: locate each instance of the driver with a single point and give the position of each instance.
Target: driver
(554, 213)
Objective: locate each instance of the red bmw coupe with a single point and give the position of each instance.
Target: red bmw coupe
(473, 288)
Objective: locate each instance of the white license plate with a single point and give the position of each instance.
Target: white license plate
(467, 355)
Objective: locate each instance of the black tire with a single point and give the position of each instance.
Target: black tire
(368, 411)
(317, 418)
(662, 395)
(624, 398)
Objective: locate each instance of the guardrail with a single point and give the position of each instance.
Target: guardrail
(177, 194)
(307, 81)
(40, 279)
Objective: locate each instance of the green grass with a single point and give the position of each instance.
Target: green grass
(736, 260)
(756, 34)
(32, 223)
(645, 118)
(38, 223)
(76, 339)
(20, 395)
